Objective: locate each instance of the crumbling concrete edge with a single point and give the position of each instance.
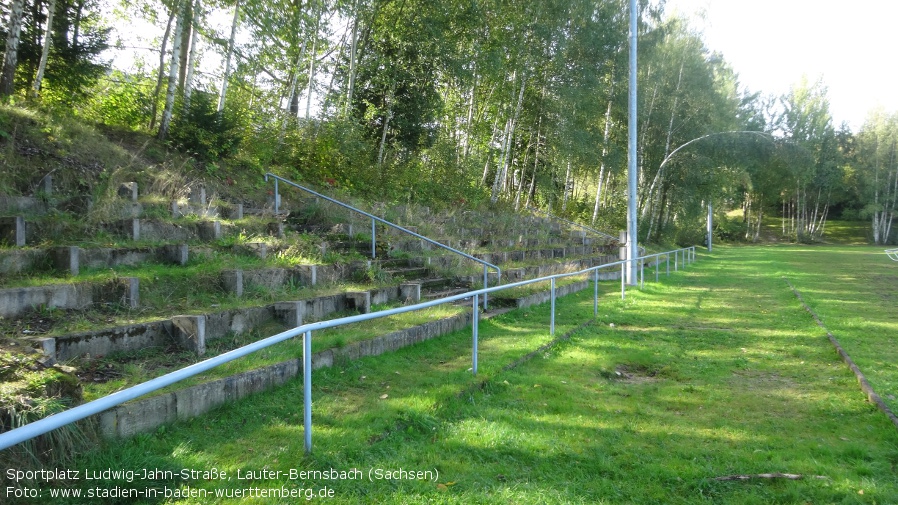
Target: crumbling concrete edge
(872, 397)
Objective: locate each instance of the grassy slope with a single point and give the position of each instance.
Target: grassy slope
(716, 371)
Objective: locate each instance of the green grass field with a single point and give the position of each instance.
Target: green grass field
(714, 372)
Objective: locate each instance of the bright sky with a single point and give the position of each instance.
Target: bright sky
(771, 43)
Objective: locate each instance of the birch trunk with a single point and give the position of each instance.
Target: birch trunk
(186, 35)
(353, 49)
(387, 117)
(173, 71)
(312, 58)
(605, 137)
(11, 56)
(192, 55)
(227, 71)
(45, 54)
(511, 129)
(161, 74)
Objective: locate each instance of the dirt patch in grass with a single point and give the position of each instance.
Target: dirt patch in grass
(633, 374)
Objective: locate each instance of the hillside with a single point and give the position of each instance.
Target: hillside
(122, 261)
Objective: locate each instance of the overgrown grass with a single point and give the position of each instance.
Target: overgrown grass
(133, 368)
(716, 371)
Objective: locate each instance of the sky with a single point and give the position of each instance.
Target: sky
(771, 43)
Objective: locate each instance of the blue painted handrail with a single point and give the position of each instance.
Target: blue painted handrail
(80, 412)
(375, 219)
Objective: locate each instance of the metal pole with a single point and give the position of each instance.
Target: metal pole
(307, 389)
(676, 261)
(475, 323)
(623, 279)
(552, 321)
(657, 267)
(277, 198)
(641, 273)
(632, 251)
(373, 240)
(710, 224)
(484, 287)
(668, 264)
(595, 302)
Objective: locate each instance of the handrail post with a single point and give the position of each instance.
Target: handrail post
(668, 263)
(595, 301)
(307, 389)
(485, 285)
(277, 197)
(474, 324)
(373, 239)
(641, 272)
(623, 279)
(552, 319)
(657, 266)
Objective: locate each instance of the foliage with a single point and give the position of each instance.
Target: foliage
(202, 131)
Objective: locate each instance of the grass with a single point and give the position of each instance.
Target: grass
(129, 369)
(716, 371)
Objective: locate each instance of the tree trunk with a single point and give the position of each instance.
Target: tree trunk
(605, 137)
(353, 50)
(45, 54)
(510, 129)
(186, 35)
(192, 55)
(173, 72)
(387, 117)
(312, 57)
(161, 74)
(227, 71)
(11, 56)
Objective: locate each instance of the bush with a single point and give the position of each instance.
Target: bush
(202, 131)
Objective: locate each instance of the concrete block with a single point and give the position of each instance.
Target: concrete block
(244, 320)
(138, 417)
(12, 231)
(290, 313)
(189, 332)
(232, 282)
(198, 195)
(260, 249)
(128, 190)
(209, 230)
(276, 229)
(66, 259)
(308, 275)
(177, 254)
(410, 292)
(360, 300)
(124, 291)
(46, 185)
(131, 228)
(235, 211)
(47, 347)
(266, 278)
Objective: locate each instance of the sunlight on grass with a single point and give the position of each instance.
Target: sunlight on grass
(716, 371)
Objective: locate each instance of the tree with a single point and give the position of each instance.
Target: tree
(10, 56)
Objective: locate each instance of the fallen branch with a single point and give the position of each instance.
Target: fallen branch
(777, 475)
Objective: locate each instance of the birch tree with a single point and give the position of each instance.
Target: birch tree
(10, 56)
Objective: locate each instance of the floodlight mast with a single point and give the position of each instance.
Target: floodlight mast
(631, 245)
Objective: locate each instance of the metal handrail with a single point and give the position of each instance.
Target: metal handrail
(94, 407)
(375, 219)
(892, 254)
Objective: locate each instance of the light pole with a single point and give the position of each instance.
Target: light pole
(632, 251)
